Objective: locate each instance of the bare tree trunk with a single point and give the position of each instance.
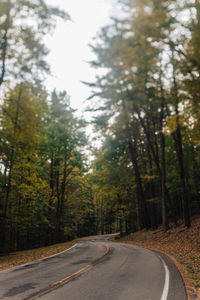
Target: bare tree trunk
(153, 216)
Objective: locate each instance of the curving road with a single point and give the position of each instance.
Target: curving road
(95, 269)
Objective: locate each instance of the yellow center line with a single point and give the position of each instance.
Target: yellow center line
(65, 280)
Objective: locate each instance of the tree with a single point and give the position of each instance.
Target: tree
(23, 24)
(43, 182)
(63, 152)
(21, 135)
(149, 85)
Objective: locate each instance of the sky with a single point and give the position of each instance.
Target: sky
(69, 50)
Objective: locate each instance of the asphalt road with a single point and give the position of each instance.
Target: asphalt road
(95, 269)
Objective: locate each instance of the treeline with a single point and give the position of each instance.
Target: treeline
(45, 195)
(147, 171)
(146, 101)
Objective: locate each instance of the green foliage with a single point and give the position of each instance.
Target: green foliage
(45, 197)
(147, 169)
(23, 24)
(149, 96)
(44, 193)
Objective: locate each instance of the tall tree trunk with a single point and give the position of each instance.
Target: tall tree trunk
(153, 216)
(61, 198)
(57, 176)
(3, 221)
(179, 150)
(9, 184)
(4, 45)
(141, 209)
(4, 50)
(50, 207)
(63, 186)
(163, 182)
(163, 163)
(185, 193)
(160, 169)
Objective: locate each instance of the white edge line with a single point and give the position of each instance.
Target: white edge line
(35, 261)
(166, 284)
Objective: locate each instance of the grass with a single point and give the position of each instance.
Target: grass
(182, 245)
(18, 258)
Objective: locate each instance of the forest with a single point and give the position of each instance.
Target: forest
(145, 102)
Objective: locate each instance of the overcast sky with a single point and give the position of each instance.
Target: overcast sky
(69, 51)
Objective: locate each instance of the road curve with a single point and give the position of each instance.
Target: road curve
(95, 269)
